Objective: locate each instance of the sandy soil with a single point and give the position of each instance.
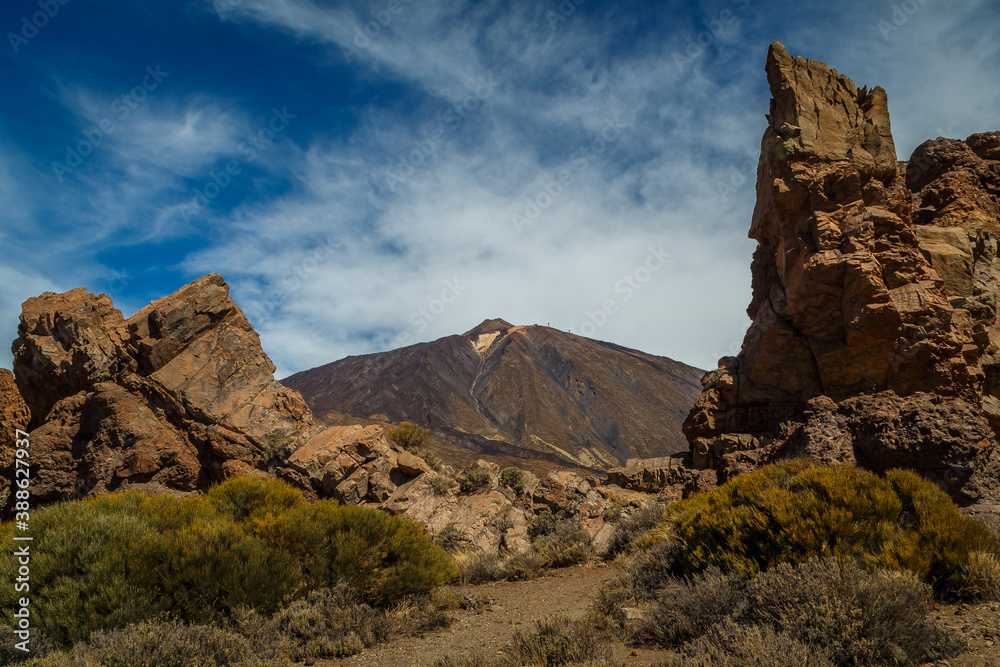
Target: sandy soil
(508, 606)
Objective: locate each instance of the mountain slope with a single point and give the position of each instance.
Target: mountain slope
(523, 391)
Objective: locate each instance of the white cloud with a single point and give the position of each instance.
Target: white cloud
(341, 263)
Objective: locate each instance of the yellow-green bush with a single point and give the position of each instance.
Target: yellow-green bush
(409, 436)
(796, 510)
(102, 563)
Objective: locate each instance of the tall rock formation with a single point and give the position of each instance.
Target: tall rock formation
(178, 395)
(859, 317)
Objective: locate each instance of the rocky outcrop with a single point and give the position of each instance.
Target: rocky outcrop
(652, 475)
(14, 415)
(855, 308)
(354, 464)
(956, 212)
(495, 517)
(175, 397)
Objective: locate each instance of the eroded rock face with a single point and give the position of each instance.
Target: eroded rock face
(354, 464)
(14, 415)
(177, 396)
(851, 300)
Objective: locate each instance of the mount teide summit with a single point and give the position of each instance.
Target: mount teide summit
(526, 391)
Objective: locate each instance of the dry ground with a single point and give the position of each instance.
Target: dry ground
(509, 606)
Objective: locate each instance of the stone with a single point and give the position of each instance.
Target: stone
(354, 464)
(650, 475)
(875, 286)
(14, 415)
(176, 397)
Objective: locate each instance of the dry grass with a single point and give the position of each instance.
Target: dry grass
(732, 645)
(831, 610)
(633, 527)
(556, 641)
(980, 577)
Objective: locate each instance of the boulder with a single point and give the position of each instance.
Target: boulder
(354, 464)
(651, 475)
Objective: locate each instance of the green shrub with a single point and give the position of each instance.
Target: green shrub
(243, 499)
(797, 510)
(567, 544)
(545, 523)
(513, 479)
(441, 485)
(409, 436)
(86, 571)
(432, 461)
(385, 557)
(476, 479)
(110, 561)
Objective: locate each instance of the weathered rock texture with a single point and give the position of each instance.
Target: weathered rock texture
(14, 415)
(177, 396)
(872, 330)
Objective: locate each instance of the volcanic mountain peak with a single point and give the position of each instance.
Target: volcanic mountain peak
(518, 391)
(488, 326)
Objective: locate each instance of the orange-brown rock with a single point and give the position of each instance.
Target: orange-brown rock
(175, 397)
(851, 299)
(354, 464)
(14, 415)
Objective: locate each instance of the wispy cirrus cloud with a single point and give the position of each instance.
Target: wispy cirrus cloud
(459, 160)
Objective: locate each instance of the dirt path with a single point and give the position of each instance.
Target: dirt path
(509, 606)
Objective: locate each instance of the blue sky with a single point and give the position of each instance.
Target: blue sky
(371, 174)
